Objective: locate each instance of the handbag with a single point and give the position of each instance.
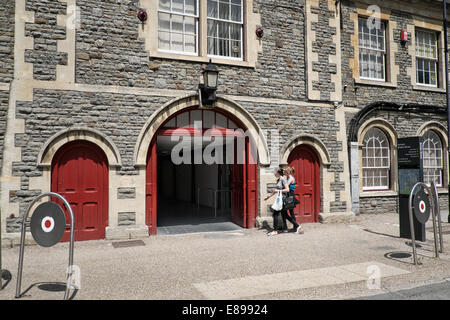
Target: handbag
(289, 202)
(278, 204)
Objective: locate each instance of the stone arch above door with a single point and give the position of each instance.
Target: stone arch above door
(305, 139)
(79, 133)
(178, 104)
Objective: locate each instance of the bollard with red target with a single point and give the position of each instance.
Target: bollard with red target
(47, 227)
(420, 206)
(48, 224)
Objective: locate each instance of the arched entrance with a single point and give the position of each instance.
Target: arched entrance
(197, 190)
(307, 174)
(80, 174)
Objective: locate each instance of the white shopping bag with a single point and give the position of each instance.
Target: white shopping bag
(278, 204)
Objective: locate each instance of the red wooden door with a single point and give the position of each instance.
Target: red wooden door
(238, 185)
(307, 174)
(80, 174)
(151, 189)
(252, 185)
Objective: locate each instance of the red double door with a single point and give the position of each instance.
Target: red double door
(307, 174)
(244, 187)
(80, 174)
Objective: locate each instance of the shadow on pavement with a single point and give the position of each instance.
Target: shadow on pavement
(50, 287)
(381, 234)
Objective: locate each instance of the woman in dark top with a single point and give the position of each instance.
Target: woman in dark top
(289, 173)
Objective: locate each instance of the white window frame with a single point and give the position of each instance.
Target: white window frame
(241, 23)
(386, 167)
(430, 60)
(363, 48)
(439, 167)
(197, 21)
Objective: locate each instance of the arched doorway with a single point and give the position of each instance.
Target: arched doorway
(186, 188)
(307, 174)
(80, 174)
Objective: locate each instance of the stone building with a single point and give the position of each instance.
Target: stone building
(400, 94)
(90, 96)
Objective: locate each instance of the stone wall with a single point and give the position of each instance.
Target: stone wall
(375, 205)
(121, 118)
(109, 52)
(45, 32)
(323, 46)
(292, 121)
(360, 95)
(6, 40)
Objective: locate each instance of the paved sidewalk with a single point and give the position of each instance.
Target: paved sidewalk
(239, 264)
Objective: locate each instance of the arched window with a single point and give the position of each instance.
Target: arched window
(432, 158)
(375, 160)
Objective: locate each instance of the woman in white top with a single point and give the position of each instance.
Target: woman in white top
(283, 187)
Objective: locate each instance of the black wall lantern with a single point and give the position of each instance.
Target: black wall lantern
(209, 86)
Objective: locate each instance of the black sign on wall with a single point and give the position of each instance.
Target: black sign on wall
(410, 171)
(410, 152)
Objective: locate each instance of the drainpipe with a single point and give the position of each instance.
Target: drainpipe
(444, 7)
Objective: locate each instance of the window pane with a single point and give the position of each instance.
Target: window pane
(236, 49)
(190, 7)
(372, 54)
(235, 31)
(375, 160)
(177, 42)
(432, 158)
(164, 5)
(178, 6)
(190, 44)
(224, 48)
(164, 21)
(179, 30)
(236, 13)
(224, 37)
(212, 9)
(177, 23)
(212, 28)
(224, 11)
(223, 30)
(164, 40)
(189, 25)
(212, 46)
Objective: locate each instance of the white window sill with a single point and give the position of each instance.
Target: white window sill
(379, 193)
(193, 58)
(419, 87)
(376, 83)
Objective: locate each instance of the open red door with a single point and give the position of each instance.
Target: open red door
(239, 187)
(252, 171)
(151, 188)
